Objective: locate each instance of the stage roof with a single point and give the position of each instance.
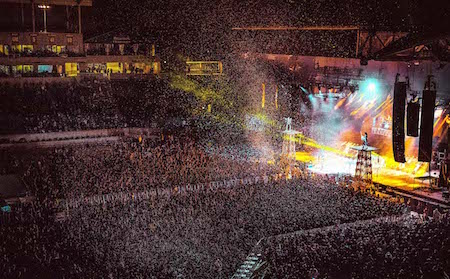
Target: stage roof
(86, 3)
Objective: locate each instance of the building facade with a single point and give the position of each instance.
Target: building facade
(32, 50)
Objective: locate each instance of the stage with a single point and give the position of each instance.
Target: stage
(394, 182)
(430, 196)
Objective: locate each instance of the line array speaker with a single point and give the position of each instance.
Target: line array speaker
(426, 125)
(412, 116)
(398, 122)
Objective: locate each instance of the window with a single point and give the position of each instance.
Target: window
(45, 68)
(70, 40)
(114, 67)
(6, 49)
(33, 40)
(71, 69)
(27, 48)
(51, 39)
(4, 70)
(22, 48)
(27, 68)
(16, 48)
(22, 69)
(57, 49)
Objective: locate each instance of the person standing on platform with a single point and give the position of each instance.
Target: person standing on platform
(364, 139)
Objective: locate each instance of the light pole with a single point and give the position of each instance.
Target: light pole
(45, 8)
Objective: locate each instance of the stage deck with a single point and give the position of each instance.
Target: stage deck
(364, 147)
(432, 196)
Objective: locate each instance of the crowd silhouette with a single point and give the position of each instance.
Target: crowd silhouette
(89, 104)
(404, 247)
(202, 234)
(308, 227)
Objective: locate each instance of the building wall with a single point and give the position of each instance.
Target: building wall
(40, 41)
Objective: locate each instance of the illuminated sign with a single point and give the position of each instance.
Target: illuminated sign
(204, 68)
(382, 132)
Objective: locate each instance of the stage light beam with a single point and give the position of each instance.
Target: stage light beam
(370, 89)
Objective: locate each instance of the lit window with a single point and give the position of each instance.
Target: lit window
(52, 39)
(71, 69)
(45, 68)
(27, 48)
(57, 49)
(4, 69)
(69, 40)
(27, 68)
(15, 38)
(16, 48)
(22, 69)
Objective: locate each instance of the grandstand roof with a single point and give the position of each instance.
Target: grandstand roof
(87, 3)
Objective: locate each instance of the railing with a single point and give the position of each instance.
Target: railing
(70, 135)
(67, 204)
(256, 257)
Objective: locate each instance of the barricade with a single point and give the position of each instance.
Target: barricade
(166, 191)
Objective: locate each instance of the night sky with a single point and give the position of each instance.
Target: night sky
(214, 15)
(205, 25)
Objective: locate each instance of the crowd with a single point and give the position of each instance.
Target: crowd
(402, 247)
(201, 234)
(86, 170)
(197, 235)
(88, 104)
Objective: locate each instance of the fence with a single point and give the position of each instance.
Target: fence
(147, 194)
(86, 134)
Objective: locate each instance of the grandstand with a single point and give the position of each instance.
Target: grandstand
(38, 53)
(111, 167)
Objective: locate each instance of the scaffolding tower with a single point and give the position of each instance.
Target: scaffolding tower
(364, 165)
(288, 149)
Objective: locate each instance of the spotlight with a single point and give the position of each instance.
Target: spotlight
(370, 88)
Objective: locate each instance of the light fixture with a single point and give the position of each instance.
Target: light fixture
(370, 88)
(45, 8)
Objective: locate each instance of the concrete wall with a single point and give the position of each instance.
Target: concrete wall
(22, 138)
